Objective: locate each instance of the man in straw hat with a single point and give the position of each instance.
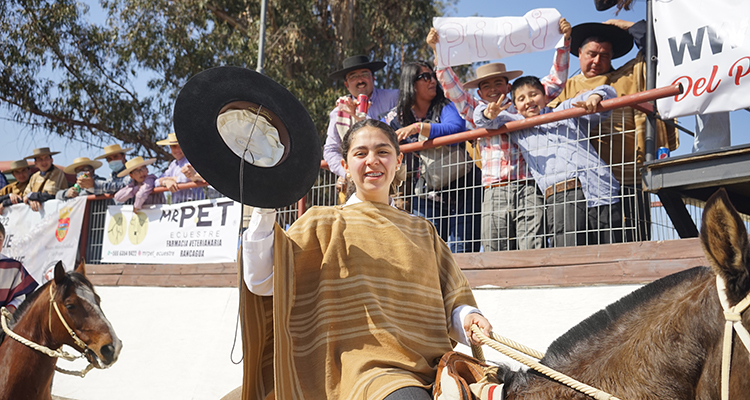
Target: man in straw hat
(115, 157)
(45, 183)
(180, 171)
(621, 139)
(86, 179)
(141, 185)
(13, 193)
(358, 74)
(512, 205)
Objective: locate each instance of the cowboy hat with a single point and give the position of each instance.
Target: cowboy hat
(169, 141)
(219, 156)
(112, 150)
(354, 63)
(16, 165)
(42, 151)
(135, 163)
(79, 162)
(620, 39)
(491, 71)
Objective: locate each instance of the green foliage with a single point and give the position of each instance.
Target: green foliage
(117, 76)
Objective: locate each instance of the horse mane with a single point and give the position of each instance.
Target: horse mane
(74, 279)
(604, 318)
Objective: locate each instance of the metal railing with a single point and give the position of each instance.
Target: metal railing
(457, 210)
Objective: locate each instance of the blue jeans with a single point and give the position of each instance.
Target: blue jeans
(455, 212)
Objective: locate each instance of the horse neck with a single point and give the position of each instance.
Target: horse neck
(26, 372)
(687, 335)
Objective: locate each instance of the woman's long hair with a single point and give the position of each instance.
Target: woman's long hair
(408, 93)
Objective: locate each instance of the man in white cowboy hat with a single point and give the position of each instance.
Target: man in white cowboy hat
(621, 139)
(45, 183)
(115, 157)
(86, 178)
(141, 185)
(180, 171)
(512, 206)
(13, 193)
(358, 75)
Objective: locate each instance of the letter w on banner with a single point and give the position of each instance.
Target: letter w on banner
(473, 39)
(705, 46)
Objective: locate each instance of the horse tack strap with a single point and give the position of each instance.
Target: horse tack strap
(71, 332)
(733, 317)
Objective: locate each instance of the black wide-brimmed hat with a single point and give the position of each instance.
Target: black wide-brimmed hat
(357, 62)
(212, 92)
(620, 39)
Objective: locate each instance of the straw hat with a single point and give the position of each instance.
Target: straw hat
(79, 162)
(42, 151)
(112, 150)
(16, 165)
(489, 71)
(135, 164)
(354, 63)
(169, 141)
(212, 152)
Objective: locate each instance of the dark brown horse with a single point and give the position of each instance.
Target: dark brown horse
(26, 373)
(663, 341)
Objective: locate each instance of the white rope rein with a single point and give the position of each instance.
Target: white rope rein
(59, 353)
(733, 317)
(520, 356)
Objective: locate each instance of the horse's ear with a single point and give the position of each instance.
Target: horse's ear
(725, 244)
(59, 273)
(81, 267)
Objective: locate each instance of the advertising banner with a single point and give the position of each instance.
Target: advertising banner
(195, 232)
(473, 39)
(705, 46)
(40, 239)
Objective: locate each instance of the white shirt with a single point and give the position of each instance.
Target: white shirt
(257, 260)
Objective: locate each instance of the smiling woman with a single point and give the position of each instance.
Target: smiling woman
(362, 289)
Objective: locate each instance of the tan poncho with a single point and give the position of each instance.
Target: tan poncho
(361, 306)
(622, 139)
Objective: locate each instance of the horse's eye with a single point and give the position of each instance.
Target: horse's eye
(70, 306)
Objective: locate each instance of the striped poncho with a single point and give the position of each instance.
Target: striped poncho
(15, 282)
(362, 302)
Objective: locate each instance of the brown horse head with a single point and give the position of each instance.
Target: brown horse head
(80, 307)
(725, 244)
(663, 341)
(26, 372)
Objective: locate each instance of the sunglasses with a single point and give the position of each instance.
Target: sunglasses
(426, 76)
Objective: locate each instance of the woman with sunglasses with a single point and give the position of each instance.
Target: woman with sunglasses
(423, 109)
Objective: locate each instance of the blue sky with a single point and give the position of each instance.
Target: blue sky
(17, 141)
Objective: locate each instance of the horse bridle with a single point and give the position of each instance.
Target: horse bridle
(59, 353)
(733, 317)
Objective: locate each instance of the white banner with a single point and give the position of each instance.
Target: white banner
(195, 232)
(40, 239)
(468, 40)
(705, 46)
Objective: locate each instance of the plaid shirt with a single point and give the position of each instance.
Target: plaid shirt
(501, 159)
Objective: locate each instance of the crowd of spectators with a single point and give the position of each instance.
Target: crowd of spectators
(574, 182)
(128, 180)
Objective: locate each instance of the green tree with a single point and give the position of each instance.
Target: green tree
(118, 78)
